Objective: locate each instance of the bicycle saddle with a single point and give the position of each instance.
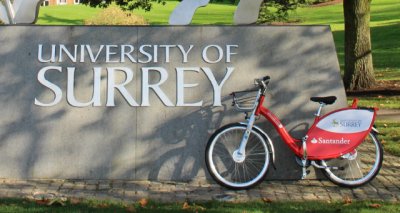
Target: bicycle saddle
(325, 100)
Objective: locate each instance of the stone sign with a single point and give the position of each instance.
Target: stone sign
(140, 102)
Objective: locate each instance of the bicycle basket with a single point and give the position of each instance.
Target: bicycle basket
(245, 101)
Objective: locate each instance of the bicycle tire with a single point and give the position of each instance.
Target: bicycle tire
(223, 168)
(356, 172)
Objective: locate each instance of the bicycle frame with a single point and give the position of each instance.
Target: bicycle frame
(331, 144)
(293, 143)
(299, 146)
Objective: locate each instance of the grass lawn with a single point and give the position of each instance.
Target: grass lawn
(389, 136)
(65, 15)
(381, 102)
(385, 25)
(159, 15)
(19, 205)
(211, 14)
(385, 32)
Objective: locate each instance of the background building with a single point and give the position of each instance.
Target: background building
(59, 2)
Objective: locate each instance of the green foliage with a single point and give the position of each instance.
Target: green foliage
(124, 4)
(116, 16)
(278, 10)
(317, 1)
(234, 2)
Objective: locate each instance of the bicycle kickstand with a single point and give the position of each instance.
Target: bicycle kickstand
(304, 169)
(304, 160)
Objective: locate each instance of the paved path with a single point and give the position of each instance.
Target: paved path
(389, 114)
(386, 186)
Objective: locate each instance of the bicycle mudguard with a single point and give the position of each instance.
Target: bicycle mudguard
(339, 133)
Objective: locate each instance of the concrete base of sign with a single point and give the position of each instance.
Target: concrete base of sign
(153, 142)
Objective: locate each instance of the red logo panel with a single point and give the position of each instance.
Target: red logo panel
(339, 133)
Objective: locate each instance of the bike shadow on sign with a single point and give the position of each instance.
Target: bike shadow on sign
(297, 74)
(181, 156)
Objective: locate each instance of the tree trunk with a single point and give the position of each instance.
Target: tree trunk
(359, 71)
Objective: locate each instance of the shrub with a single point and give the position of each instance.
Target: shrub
(277, 10)
(116, 16)
(317, 1)
(272, 13)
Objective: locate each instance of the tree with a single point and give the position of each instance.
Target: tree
(124, 4)
(359, 71)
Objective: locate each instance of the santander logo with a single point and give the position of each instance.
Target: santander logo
(321, 140)
(314, 141)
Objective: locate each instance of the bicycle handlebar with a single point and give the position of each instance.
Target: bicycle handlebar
(262, 82)
(247, 103)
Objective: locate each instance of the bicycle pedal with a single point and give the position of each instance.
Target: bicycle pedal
(300, 163)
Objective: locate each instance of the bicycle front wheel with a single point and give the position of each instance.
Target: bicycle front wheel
(358, 167)
(227, 170)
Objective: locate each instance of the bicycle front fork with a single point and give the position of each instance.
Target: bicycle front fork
(240, 154)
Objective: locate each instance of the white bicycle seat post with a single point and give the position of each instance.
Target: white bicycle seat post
(321, 105)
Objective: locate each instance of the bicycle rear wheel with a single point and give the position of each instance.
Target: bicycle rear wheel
(358, 167)
(233, 173)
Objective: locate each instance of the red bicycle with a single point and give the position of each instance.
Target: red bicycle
(342, 143)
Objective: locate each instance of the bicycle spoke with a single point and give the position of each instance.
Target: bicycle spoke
(351, 170)
(244, 172)
(253, 165)
(250, 171)
(255, 154)
(360, 170)
(222, 165)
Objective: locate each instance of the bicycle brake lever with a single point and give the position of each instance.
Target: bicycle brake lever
(256, 82)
